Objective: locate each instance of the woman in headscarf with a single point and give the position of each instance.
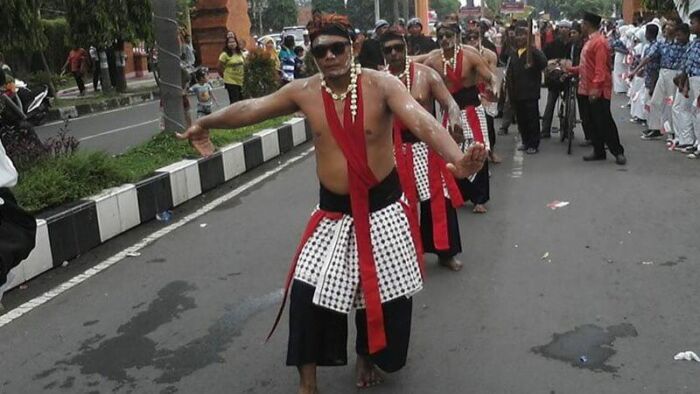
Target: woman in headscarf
(270, 50)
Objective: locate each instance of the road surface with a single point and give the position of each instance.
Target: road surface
(593, 297)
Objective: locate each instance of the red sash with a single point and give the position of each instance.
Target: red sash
(474, 123)
(455, 76)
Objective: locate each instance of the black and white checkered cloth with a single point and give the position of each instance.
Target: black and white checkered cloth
(420, 171)
(329, 260)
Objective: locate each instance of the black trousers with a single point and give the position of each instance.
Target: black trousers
(508, 115)
(95, 74)
(585, 116)
(234, 93)
(602, 127)
(552, 98)
(319, 336)
(426, 230)
(79, 80)
(527, 113)
(492, 130)
(477, 191)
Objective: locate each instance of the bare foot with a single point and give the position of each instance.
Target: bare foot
(494, 158)
(480, 208)
(367, 373)
(452, 263)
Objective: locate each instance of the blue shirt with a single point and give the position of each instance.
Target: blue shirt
(287, 59)
(671, 55)
(692, 59)
(651, 70)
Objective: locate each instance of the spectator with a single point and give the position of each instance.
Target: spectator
(77, 60)
(371, 55)
(299, 68)
(231, 68)
(287, 59)
(271, 52)
(524, 75)
(555, 52)
(204, 93)
(5, 68)
(595, 82)
(577, 41)
(95, 60)
(418, 43)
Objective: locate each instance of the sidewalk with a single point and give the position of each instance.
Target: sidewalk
(132, 83)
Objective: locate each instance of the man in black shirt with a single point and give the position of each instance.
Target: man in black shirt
(524, 76)
(418, 43)
(371, 55)
(556, 50)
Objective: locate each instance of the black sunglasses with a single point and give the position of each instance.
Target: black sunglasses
(440, 36)
(399, 48)
(336, 48)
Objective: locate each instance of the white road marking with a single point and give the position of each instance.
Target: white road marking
(78, 279)
(118, 130)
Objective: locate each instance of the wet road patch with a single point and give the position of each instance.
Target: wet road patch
(587, 346)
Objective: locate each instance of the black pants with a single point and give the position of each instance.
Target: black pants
(602, 128)
(527, 113)
(492, 130)
(552, 98)
(319, 336)
(79, 80)
(585, 116)
(426, 230)
(95, 74)
(17, 234)
(508, 116)
(477, 191)
(234, 93)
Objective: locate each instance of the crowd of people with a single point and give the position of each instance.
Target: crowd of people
(656, 65)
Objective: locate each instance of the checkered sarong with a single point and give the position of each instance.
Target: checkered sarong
(329, 260)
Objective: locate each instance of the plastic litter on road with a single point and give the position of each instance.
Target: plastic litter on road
(133, 254)
(687, 356)
(557, 204)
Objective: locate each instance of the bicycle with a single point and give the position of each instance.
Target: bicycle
(567, 111)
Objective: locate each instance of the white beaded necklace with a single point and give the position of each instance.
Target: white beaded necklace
(355, 71)
(452, 62)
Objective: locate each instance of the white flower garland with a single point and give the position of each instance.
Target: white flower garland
(355, 71)
(406, 73)
(452, 62)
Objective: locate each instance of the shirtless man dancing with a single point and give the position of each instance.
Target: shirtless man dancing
(462, 67)
(420, 168)
(357, 251)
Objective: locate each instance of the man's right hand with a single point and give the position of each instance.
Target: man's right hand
(199, 138)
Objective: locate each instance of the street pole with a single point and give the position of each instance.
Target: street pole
(377, 15)
(171, 90)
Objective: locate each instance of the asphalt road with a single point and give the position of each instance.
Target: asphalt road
(117, 130)
(594, 297)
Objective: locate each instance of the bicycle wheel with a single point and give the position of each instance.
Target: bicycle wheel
(562, 115)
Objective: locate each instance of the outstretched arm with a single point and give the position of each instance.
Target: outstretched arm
(443, 96)
(427, 129)
(482, 68)
(240, 114)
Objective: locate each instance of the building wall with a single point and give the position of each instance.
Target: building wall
(211, 21)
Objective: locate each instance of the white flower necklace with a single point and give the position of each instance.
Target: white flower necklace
(452, 62)
(355, 71)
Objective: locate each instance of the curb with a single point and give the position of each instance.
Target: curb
(76, 111)
(75, 228)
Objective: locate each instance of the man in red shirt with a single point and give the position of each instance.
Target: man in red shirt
(595, 82)
(77, 60)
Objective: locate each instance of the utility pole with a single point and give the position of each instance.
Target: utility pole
(171, 90)
(377, 15)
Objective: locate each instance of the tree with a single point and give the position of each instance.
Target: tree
(361, 14)
(280, 13)
(337, 6)
(109, 24)
(444, 7)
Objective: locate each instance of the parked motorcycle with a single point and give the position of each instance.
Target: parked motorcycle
(20, 111)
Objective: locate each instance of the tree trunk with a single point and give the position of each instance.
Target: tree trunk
(105, 80)
(120, 63)
(171, 91)
(52, 88)
(397, 15)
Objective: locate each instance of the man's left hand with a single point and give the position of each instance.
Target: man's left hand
(472, 161)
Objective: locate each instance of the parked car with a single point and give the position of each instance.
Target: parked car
(298, 32)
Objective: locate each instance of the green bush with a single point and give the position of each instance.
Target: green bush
(261, 76)
(63, 179)
(57, 32)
